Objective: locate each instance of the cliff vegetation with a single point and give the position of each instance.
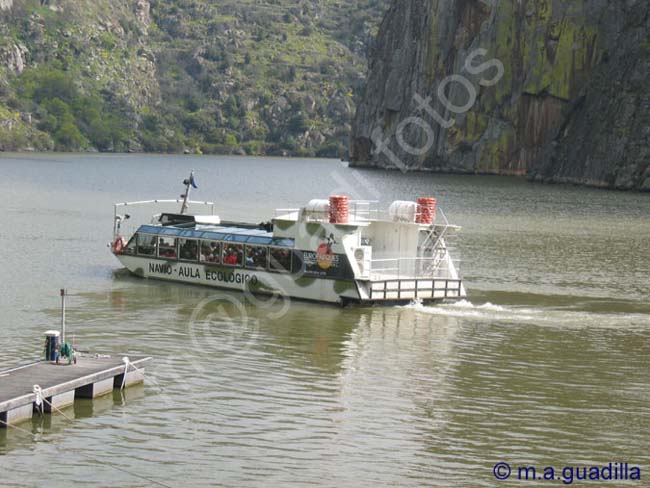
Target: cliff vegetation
(198, 76)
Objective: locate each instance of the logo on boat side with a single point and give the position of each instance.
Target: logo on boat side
(325, 256)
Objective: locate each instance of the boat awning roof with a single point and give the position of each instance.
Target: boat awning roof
(220, 233)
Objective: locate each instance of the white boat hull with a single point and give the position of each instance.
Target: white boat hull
(290, 285)
(255, 281)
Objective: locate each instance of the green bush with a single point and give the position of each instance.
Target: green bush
(74, 121)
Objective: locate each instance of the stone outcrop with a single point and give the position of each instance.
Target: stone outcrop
(143, 12)
(562, 62)
(15, 58)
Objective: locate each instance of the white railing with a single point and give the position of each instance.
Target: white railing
(364, 210)
(119, 219)
(414, 268)
(360, 211)
(287, 213)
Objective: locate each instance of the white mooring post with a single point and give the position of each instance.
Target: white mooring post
(62, 316)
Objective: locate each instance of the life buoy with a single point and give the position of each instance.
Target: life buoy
(119, 245)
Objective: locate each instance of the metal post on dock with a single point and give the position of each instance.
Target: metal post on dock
(63, 316)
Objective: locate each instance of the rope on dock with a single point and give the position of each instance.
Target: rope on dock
(24, 431)
(16, 368)
(41, 399)
(127, 364)
(120, 468)
(38, 401)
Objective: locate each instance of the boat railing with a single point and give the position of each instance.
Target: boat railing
(370, 210)
(359, 211)
(287, 214)
(363, 211)
(414, 268)
(120, 213)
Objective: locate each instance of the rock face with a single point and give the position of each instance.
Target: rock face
(605, 139)
(432, 104)
(15, 58)
(143, 12)
(6, 4)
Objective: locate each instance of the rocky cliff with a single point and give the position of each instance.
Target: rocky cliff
(562, 98)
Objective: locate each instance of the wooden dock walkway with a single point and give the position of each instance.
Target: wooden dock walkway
(60, 384)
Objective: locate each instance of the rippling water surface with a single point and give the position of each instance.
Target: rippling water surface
(546, 363)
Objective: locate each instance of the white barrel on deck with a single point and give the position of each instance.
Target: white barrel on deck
(401, 211)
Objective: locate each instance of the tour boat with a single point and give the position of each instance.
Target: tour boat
(332, 250)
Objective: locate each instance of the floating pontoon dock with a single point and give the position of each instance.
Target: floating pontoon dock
(61, 384)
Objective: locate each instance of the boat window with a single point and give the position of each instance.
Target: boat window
(130, 247)
(284, 242)
(191, 233)
(281, 260)
(188, 249)
(146, 245)
(259, 240)
(257, 257)
(149, 229)
(210, 252)
(167, 247)
(233, 254)
(213, 236)
(236, 237)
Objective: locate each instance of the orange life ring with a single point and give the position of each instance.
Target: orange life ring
(119, 245)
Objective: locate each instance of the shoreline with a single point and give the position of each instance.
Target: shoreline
(536, 179)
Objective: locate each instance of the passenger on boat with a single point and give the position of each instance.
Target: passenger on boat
(214, 252)
(189, 250)
(231, 258)
(206, 253)
(167, 248)
(260, 257)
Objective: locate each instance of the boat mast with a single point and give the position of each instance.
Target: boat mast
(186, 196)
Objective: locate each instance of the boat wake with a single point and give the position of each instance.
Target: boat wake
(542, 315)
(465, 308)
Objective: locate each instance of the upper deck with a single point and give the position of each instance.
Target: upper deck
(224, 232)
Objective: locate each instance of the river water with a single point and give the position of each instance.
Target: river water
(547, 363)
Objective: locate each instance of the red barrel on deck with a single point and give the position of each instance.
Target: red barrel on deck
(426, 210)
(339, 209)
